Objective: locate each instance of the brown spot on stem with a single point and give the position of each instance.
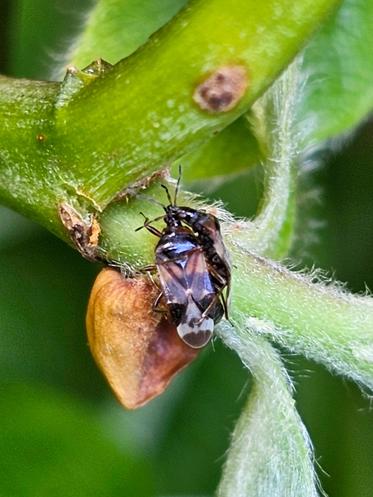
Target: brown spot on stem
(97, 67)
(72, 70)
(142, 184)
(40, 137)
(84, 233)
(222, 90)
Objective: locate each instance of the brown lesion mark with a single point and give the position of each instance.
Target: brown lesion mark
(222, 89)
(134, 188)
(84, 232)
(40, 137)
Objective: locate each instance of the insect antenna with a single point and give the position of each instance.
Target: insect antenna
(168, 194)
(177, 185)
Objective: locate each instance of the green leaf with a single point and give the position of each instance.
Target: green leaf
(37, 33)
(232, 151)
(51, 445)
(116, 28)
(42, 331)
(339, 66)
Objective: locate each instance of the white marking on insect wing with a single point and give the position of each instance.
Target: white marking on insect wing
(194, 330)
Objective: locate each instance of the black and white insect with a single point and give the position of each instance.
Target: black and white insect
(193, 269)
(207, 228)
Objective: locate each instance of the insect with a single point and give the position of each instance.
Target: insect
(207, 228)
(193, 269)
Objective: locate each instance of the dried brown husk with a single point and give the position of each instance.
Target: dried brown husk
(137, 348)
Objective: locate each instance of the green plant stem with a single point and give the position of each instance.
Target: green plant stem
(155, 118)
(273, 122)
(100, 133)
(270, 453)
(31, 180)
(317, 320)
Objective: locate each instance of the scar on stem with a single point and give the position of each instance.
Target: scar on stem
(222, 89)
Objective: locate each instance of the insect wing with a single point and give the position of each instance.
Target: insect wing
(186, 276)
(213, 230)
(195, 329)
(189, 290)
(172, 278)
(197, 277)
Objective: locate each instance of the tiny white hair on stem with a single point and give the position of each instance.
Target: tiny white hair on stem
(270, 453)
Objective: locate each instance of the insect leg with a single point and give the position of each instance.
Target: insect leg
(150, 268)
(153, 230)
(147, 269)
(158, 299)
(147, 225)
(224, 303)
(208, 308)
(156, 303)
(224, 298)
(217, 276)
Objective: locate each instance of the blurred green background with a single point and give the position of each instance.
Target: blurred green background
(62, 432)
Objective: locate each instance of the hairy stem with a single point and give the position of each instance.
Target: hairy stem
(270, 452)
(318, 320)
(273, 122)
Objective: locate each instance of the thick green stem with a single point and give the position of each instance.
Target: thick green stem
(155, 118)
(102, 131)
(31, 179)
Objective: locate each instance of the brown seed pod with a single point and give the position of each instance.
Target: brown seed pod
(137, 348)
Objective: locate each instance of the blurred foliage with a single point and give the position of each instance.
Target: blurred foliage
(61, 431)
(51, 444)
(130, 23)
(339, 66)
(39, 33)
